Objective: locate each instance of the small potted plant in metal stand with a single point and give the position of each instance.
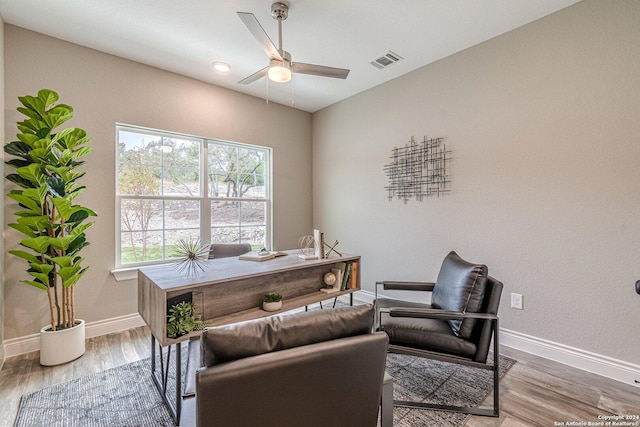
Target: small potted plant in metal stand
(272, 302)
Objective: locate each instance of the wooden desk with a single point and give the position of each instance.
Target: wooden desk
(229, 290)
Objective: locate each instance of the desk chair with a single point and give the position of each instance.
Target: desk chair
(457, 326)
(226, 250)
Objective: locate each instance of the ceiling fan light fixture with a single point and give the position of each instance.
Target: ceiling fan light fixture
(279, 71)
(221, 67)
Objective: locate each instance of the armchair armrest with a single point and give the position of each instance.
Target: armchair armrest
(406, 286)
(434, 313)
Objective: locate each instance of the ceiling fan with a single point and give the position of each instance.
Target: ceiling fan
(280, 66)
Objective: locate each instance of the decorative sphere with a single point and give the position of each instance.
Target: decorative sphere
(307, 245)
(330, 279)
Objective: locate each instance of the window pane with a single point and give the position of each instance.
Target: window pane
(225, 234)
(224, 213)
(180, 152)
(140, 215)
(173, 237)
(253, 235)
(140, 180)
(141, 246)
(181, 182)
(181, 214)
(251, 165)
(253, 213)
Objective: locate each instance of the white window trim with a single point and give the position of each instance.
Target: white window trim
(130, 271)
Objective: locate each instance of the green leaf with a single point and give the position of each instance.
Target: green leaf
(29, 112)
(55, 185)
(17, 179)
(78, 217)
(18, 163)
(32, 173)
(36, 284)
(48, 97)
(25, 255)
(41, 267)
(18, 149)
(36, 222)
(24, 229)
(33, 103)
(43, 132)
(72, 280)
(39, 244)
(78, 243)
(66, 272)
(26, 202)
(56, 116)
(42, 277)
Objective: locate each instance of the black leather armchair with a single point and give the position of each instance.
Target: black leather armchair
(457, 326)
(317, 369)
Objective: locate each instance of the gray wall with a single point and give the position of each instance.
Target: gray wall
(105, 89)
(544, 126)
(2, 134)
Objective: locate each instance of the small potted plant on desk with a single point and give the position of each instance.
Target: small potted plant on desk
(182, 320)
(272, 302)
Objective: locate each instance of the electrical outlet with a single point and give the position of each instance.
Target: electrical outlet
(516, 301)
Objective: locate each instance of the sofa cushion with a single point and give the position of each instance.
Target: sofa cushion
(460, 287)
(239, 340)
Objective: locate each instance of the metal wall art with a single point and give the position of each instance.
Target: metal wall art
(419, 169)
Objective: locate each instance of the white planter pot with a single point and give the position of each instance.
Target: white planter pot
(58, 347)
(271, 306)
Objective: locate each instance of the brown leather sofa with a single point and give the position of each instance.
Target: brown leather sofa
(313, 369)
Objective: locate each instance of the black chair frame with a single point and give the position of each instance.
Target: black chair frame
(444, 357)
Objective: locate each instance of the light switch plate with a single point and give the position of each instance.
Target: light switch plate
(516, 301)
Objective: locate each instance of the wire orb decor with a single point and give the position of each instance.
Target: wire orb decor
(307, 245)
(191, 254)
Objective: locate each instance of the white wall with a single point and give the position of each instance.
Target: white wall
(544, 124)
(103, 90)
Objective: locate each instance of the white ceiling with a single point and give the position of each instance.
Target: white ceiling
(186, 36)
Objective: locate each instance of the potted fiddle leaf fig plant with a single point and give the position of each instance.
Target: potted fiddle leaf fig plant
(46, 162)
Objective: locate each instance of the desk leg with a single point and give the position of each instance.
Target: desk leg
(161, 380)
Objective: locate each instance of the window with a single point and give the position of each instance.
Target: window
(172, 187)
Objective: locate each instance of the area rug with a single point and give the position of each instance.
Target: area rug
(126, 396)
(422, 380)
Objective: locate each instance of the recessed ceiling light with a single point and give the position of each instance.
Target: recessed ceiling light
(221, 67)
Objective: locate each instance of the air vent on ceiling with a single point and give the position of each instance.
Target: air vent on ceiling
(386, 60)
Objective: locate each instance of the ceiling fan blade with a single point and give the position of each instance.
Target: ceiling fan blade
(319, 70)
(258, 32)
(255, 76)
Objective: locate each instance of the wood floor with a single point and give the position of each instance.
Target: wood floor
(535, 391)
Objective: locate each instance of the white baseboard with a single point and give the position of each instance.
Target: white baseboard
(29, 343)
(606, 366)
(577, 358)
